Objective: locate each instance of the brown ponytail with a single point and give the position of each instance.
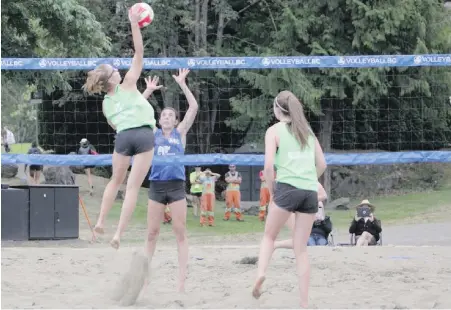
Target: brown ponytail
(97, 80)
(290, 105)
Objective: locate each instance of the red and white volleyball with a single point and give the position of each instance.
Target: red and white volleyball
(145, 14)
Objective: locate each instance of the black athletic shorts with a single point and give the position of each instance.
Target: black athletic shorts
(197, 194)
(167, 192)
(36, 167)
(294, 199)
(134, 141)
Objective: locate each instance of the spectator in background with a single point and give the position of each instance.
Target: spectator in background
(196, 188)
(35, 170)
(233, 194)
(321, 229)
(208, 180)
(366, 229)
(86, 148)
(264, 197)
(7, 139)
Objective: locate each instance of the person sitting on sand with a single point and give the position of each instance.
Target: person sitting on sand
(365, 228)
(321, 228)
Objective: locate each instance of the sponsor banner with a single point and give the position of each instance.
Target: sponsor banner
(211, 63)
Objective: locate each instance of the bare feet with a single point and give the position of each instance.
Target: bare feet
(115, 243)
(256, 292)
(181, 288)
(99, 230)
(181, 283)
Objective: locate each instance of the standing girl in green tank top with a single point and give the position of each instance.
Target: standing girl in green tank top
(131, 115)
(292, 148)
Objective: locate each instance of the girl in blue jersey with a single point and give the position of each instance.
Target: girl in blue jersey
(167, 183)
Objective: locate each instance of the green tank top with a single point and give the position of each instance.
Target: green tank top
(128, 109)
(294, 165)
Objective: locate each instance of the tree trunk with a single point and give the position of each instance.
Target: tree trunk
(197, 25)
(203, 28)
(326, 142)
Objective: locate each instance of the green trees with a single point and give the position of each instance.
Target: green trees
(47, 28)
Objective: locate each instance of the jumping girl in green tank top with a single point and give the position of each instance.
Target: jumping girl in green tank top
(292, 148)
(131, 115)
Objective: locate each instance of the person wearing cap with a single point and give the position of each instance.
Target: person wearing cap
(196, 188)
(233, 194)
(87, 149)
(366, 229)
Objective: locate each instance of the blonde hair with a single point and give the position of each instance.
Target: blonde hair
(291, 106)
(97, 80)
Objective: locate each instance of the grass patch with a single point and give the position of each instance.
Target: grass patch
(414, 207)
(410, 208)
(18, 148)
(250, 225)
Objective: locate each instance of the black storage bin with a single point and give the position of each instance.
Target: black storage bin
(15, 214)
(53, 211)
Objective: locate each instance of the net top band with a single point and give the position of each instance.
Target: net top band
(211, 63)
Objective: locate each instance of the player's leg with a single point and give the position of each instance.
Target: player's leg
(304, 218)
(141, 142)
(120, 167)
(275, 221)
(284, 244)
(155, 211)
(178, 206)
(140, 168)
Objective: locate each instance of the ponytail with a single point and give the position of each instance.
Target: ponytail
(97, 80)
(299, 127)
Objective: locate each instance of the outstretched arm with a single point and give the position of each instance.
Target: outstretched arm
(151, 86)
(134, 73)
(190, 115)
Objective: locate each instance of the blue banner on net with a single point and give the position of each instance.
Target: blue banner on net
(205, 63)
(348, 159)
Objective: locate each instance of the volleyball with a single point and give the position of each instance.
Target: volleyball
(145, 14)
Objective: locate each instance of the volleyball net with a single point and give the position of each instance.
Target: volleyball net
(364, 109)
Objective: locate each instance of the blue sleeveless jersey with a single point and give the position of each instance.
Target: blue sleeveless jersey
(168, 147)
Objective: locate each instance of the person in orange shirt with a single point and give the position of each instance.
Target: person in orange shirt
(167, 218)
(208, 180)
(264, 197)
(233, 194)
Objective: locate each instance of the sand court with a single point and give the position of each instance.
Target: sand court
(342, 277)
